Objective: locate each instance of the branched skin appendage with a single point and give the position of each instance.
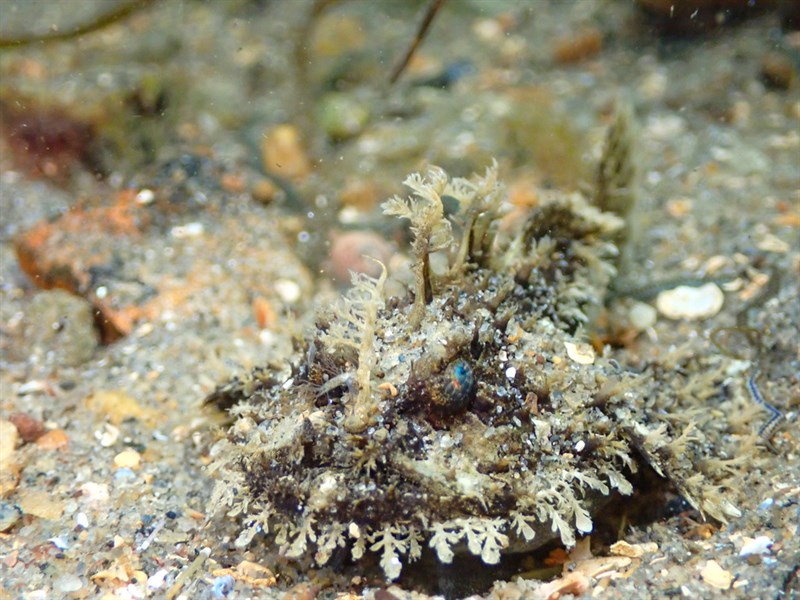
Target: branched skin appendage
(356, 329)
(617, 182)
(432, 232)
(452, 419)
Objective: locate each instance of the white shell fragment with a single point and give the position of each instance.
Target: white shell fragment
(691, 303)
(583, 354)
(759, 545)
(642, 316)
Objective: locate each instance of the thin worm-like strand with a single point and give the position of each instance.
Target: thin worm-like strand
(768, 428)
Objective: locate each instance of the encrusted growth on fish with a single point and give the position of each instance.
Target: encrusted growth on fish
(453, 419)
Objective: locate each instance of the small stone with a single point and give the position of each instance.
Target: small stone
(222, 586)
(341, 116)
(623, 548)
(117, 406)
(9, 467)
(157, 579)
(233, 183)
(124, 474)
(108, 436)
(66, 584)
(759, 545)
(349, 252)
(9, 515)
(642, 316)
(57, 439)
(691, 303)
(94, 494)
(772, 243)
(777, 71)
(188, 230)
(40, 504)
(265, 315)
(288, 290)
(129, 459)
(29, 428)
(715, 576)
(9, 479)
(283, 153)
(583, 354)
(264, 191)
(82, 521)
(361, 194)
(678, 208)
(578, 46)
(9, 439)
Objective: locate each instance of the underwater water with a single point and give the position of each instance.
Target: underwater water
(338, 297)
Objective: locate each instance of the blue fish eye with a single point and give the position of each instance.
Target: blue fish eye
(459, 383)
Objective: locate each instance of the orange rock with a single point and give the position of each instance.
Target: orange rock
(116, 406)
(349, 251)
(233, 183)
(40, 503)
(360, 194)
(62, 254)
(264, 191)
(264, 313)
(29, 428)
(57, 439)
(578, 46)
(283, 153)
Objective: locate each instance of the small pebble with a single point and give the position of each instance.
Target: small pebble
(124, 473)
(759, 545)
(9, 439)
(772, 243)
(342, 116)
(623, 548)
(283, 153)
(57, 439)
(578, 46)
(108, 436)
(714, 575)
(691, 303)
(82, 521)
(40, 503)
(349, 252)
(288, 290)
(157, 579)
(642, 316)
(29, 428)
(265, 315)
(94, 494)
(264, 191)
(116, 406)
(189, 230)
(9, 515)
(222, 586)
(68, 583)
(777, 71)
(583, 354)
(128, 459)
(59, 543)
(361, 194)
